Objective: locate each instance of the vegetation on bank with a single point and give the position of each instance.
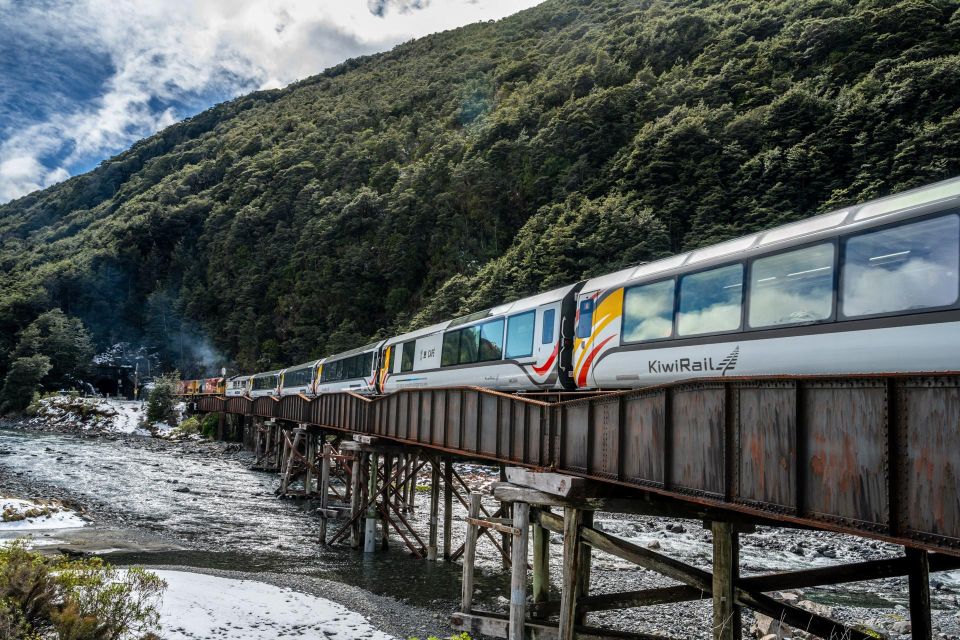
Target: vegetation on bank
(51, 353)
(75, 599)
(481, 164)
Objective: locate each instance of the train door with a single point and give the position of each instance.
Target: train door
(546, 343)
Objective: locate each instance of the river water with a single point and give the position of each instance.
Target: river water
(159, 504)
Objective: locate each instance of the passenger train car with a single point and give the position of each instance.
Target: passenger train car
(238, 386)
(522, 345)
(870, 288)
(354, 370)
(866, 289)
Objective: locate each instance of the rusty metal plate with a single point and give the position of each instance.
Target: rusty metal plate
(535, 436)
(846, 471)
(767, 442)
(438, 421)
(454, 418)
(575, 431)
(471, 420)
(931, 495)
(489, 421)
(605, 438)
(696, 439)
(643, 438)
(264, 407)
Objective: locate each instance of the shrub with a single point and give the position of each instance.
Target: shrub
(74, 599)
(188, 427)
(209, 424)
(162, 398)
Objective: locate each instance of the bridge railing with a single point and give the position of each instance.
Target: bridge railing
(876, 454)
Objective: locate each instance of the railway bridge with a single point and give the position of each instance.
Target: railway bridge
(872, 456)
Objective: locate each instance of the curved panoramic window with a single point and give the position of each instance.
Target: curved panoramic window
(648, 311)
(491, 340)
(520, 335)
(710, 301)
(911, 266)
(793, 287)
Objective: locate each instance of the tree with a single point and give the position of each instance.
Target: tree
(22, 382)
(162, 398)
(66, 344)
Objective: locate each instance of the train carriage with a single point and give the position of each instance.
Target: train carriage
(213, 386)
(866, 289)
(238, 386)
(300, 379)
(521, 345)
(265, 384)
(355, 370)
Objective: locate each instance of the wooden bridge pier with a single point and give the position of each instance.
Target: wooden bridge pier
(534, 497)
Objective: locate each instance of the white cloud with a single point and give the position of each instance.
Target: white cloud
(167, 50)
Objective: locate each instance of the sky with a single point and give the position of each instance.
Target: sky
(81, 80)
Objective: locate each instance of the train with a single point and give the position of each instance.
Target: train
(870, 288)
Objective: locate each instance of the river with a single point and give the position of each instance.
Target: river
(198, 506)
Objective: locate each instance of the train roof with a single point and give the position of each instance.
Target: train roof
(276, 372)
(240, 377)
(411, 335)
(346, 354)
(931, 197)
(304, 365)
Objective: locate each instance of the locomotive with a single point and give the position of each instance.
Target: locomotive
(871, 288)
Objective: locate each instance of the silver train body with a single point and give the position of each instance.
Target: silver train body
(873, 288)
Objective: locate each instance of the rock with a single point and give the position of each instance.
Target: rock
(766, 627)
(187, 489)
(654, 545)
(901, 627)
(677, 528)
(827, 551)
(816, 607)
(796, 550)
(789, 596)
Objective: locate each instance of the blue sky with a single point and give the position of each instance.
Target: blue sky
(81, 80)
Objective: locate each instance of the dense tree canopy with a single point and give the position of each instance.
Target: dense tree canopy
(485, 163)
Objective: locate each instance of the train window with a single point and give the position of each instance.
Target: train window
(585, 318)
(451, 349)
(469, 344)
(710, 301)
(549, 317)
(520, 335)
(406, 358)
(491, 340)
(793, 287)
(648, 311)
(911, 266)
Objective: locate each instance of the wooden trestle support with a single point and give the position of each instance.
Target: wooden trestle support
(552, 503)
(369, 487)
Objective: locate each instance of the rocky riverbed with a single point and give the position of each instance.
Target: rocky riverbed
(197, 506)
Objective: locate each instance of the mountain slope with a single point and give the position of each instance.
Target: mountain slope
(485, 163)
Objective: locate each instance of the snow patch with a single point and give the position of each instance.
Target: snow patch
(196, 606)
(91, 414)
(27, 515)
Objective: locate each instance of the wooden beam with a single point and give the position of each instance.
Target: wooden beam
(586, 564)
(556, 484)
(447, 509)
(648, 559)
(837, 574)
(541, 564)
(627, 600)
(518, 573)
(919, 581)
(434, 508)
(324, 488)
(726, 561)
(569, 591)
(496, 526)
(470, 556)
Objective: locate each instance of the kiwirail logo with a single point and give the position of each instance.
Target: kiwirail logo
(692, 365)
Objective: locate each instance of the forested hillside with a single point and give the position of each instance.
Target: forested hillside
(482, 164)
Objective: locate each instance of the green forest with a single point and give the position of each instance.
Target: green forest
(478, 165)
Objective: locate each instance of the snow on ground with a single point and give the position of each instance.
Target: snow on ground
(26, 515)
(91, 414)
(197, 605)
